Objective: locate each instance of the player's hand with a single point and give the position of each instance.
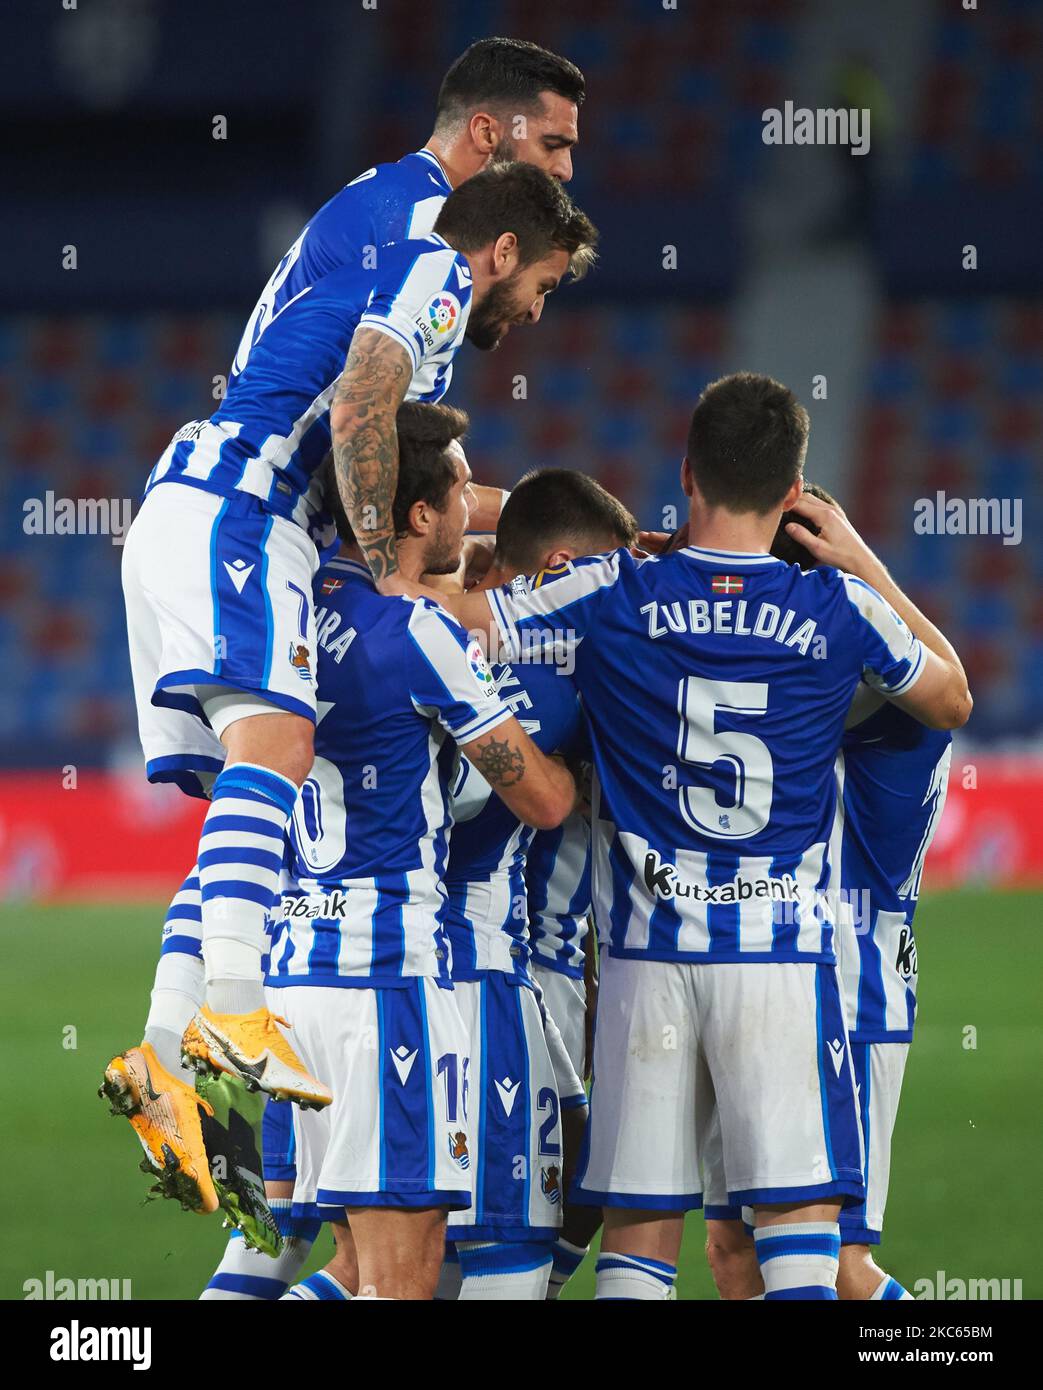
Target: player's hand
(478, 559)
(661, 542)
(837, 542)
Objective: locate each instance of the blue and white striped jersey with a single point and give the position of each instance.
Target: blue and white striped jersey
(892, 776)
(272, 431)
(715, 687)
(557, 883)
(398, 684)
(486, 917)
(393, 202)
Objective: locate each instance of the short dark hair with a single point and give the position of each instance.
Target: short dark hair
(519, 198)
(426, 472)
(746, 442)
(555, 505)
(784, 547)
(505, 72)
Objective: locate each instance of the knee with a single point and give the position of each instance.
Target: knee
(732, 1259)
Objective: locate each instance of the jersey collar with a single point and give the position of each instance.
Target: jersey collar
(433, 159)
(345, 566)
(729, 557)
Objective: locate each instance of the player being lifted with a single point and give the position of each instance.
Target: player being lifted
(892, 773)
(362, 960)
(701, 673)
(217, 573)
(524, 1092)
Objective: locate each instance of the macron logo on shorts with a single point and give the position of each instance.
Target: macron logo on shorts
(239, 573)
(836, 1053)
(403, 1060)
(508, 1091)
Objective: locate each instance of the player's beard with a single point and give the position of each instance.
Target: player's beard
(444, 553)
(488, 322)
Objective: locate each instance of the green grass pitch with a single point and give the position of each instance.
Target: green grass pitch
(965, 1178)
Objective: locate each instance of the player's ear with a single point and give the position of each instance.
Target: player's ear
(505, 254)
(686, 477)
(485, 133)
(420, 518)
(558, 557)
(793, 494)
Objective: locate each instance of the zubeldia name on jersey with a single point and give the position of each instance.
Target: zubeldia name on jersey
(732, 616)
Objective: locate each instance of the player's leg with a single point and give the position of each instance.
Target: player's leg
(788, 1115)
(879, 1069)
(505, 1241)
(564, 1002)
(249, 1274)
(730, 1251)
(148, 1084)
(221, 630)
(393, 1148)
(640, 1160)
(732, 1257)
(337, 1281)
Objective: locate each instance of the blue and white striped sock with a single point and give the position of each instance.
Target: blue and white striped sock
(891, 1290)
(799, 1261)
(567, 1259)
(249, 1275)
(318, 1288)
(632, 1278)
(504, 1270)
(240, 859)
(178, 987)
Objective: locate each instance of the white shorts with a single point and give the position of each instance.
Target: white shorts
(879, 1069)
(762, 1044)
(514, 1116)
(565, 1000)
(218, 593)
(396, 1134)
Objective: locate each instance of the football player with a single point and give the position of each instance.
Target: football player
(712, 812)
(217, 572)
(892, 773)
(519, 1099)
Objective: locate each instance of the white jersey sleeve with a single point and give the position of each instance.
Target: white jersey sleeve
(893, 658)
(561, 602)
(449, 677)
(425, 311)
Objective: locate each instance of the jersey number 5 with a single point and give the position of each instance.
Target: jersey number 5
(746, 760)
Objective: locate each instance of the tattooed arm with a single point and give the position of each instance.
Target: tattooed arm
(372, 386)
(539, 790)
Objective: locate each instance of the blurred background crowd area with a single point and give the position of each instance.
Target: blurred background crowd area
(849, 277)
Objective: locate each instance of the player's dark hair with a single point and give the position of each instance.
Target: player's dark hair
(556, 506)
(426, 472)
(746, 442)
(519, 198)
(784, 547)
(505, 73)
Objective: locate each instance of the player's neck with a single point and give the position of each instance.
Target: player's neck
(459, 159)
(411, 558)
(716, 529)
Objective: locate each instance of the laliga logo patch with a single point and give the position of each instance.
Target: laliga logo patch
(439, 317)
(480, 667)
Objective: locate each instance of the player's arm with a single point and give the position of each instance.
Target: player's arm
(371, 388)
(939, 696)
(489, 503)
(539, 789)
